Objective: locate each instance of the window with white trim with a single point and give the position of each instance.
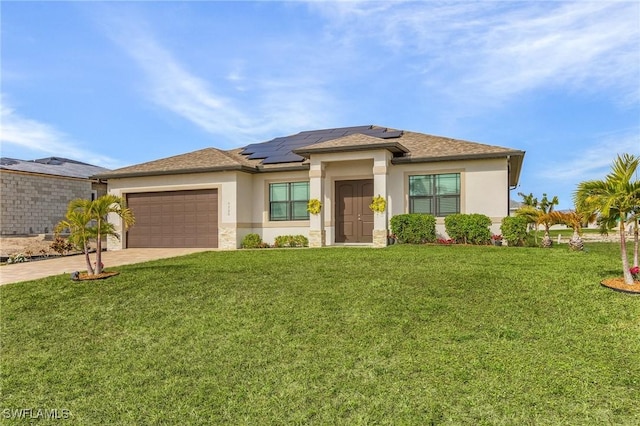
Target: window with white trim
(288, 201)
(438, 195)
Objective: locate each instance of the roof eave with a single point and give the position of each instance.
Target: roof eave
(393, 147)
(515, 168)
(505, 154)
(241, 168)
(291, 168)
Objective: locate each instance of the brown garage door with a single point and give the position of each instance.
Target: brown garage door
(174, 219)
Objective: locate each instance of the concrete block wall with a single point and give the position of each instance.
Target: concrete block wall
(34, 204)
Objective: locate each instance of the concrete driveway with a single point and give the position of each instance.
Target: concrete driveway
(27, 271)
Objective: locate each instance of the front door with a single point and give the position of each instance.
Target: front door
(354, 218)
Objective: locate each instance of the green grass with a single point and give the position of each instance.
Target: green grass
(403, 335)
(568, 232)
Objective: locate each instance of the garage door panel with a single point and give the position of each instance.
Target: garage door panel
(174, 219)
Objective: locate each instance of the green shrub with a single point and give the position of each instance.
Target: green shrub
(468, 228)
(514, 230)
(18, 258)
(414, 228)
(251, 241)
(291, 241)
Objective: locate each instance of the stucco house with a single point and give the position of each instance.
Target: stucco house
(36, 193)
(213, 198)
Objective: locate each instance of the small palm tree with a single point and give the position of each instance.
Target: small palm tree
(100, 209)
(575, 220)
(539, 213)
(615, 199)
(88, 220)
(77, 224)
(529, 201)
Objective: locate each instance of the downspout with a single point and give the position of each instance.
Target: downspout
(511, 188)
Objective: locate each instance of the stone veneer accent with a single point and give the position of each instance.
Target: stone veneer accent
(379, 238)
(34, 204)
(227, 237)
(317, 238)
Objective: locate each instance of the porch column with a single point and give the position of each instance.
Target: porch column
(380, 168)
(317, 233)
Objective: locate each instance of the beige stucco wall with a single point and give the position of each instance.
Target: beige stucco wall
(34, 204)
(483, 186)
(260, 223)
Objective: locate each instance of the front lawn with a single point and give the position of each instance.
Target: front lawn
(403, 335)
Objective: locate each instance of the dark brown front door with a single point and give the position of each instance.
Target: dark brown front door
(354, 219)
(174, 219)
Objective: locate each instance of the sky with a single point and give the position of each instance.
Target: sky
(119, 83)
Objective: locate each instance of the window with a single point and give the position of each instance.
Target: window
(288, 201)
(438, 195)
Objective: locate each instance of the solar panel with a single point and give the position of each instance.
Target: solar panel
(284, 158)
(394, 134)
(279, 150)
(5, 161)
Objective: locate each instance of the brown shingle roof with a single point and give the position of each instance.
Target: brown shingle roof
(427, 148)
(204, 160)
(354, 142)
(424, 147)
(407, 147)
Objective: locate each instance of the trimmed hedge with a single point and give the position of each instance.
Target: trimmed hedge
(291, 241)
(514, 230)
(468, 228)
(251, 241)
(414, 228)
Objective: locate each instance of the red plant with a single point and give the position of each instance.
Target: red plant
(445, 241)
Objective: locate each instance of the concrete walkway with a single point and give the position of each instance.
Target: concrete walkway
(27, 271)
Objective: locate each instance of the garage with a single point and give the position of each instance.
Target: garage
(174, 219)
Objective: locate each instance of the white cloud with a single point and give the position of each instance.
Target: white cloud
(488, 52)
(42, 138)
(594, 160)
(260, 106)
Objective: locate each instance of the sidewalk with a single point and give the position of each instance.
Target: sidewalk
(27, 271)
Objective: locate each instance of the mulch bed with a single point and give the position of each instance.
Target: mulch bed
(618, 284)
(86, 277)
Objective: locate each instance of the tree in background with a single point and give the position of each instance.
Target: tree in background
(616, 200)
(539, 213)
(575, 220)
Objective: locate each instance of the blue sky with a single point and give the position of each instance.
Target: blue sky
(120, 83)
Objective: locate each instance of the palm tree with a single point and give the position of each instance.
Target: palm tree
(100, 210)
(77, 224)
(96, 224)
(575, 220)
(529, 201)
(540, 214)
(617, 198)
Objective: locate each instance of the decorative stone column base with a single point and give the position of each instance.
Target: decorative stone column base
(112, 243)
(379, 238)
(227, 238)
(317, 238)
